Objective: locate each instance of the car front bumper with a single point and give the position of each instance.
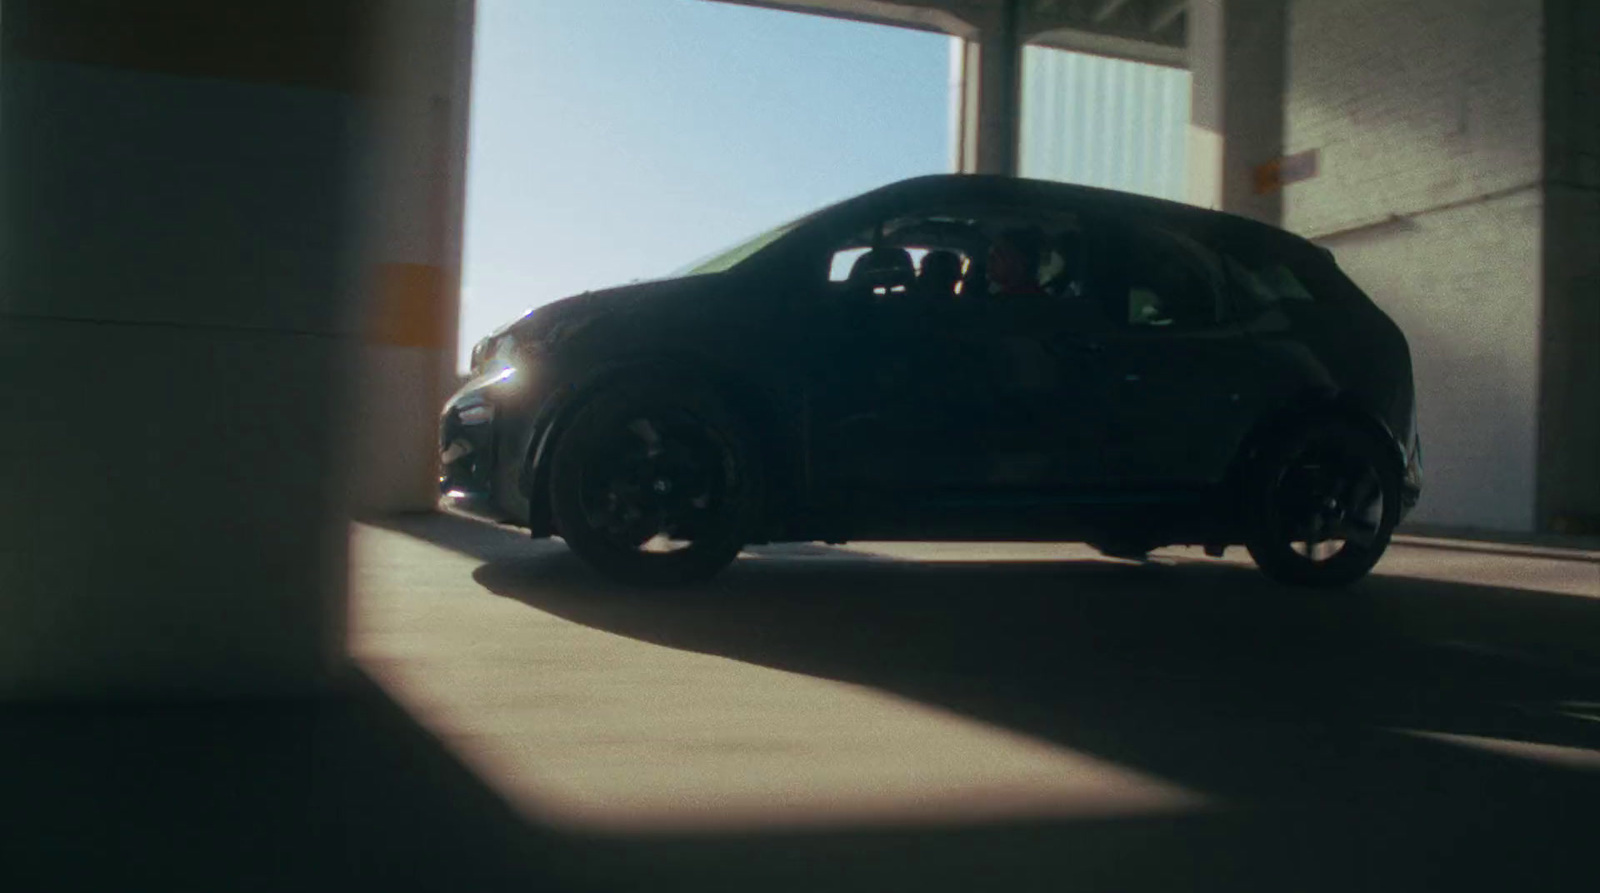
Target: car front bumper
(467, 455)
(487, 431)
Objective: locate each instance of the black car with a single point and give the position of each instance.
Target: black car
(955, 358)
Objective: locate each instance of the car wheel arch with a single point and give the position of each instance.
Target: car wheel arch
(745, 400)
(1309, 408)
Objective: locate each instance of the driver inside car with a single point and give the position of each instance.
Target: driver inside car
(1014, 265)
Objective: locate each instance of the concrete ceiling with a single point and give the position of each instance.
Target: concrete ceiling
(1145, 30)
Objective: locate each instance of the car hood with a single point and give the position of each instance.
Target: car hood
(619, 301)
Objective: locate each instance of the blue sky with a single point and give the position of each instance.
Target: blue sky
(619, 139)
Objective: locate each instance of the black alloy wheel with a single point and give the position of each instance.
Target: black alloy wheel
(1321, 506)
(655, 484)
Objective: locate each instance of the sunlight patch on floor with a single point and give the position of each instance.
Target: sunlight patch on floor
(584, 727)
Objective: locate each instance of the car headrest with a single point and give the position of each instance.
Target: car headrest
(885, 266)
(941, 266)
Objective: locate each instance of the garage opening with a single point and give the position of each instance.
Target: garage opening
(618, 141)
(1099, 121)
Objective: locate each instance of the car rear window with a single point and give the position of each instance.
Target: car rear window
(1163, 277)
(1270, 268)
(1268, 283)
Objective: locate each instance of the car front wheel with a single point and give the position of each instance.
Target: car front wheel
(655, 484)
(1321, 506)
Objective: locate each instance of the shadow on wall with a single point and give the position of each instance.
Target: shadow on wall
(1285, 710)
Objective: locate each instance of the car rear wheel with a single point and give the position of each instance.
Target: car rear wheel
(655, 484)
(1321, 506)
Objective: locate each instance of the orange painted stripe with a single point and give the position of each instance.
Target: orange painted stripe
(407, 307)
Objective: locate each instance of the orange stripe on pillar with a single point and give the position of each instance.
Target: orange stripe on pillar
(407, 308)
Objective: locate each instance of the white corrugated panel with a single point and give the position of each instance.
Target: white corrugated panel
(1104, 122)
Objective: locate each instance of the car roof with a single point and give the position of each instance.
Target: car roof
(994, 187)
(997, 187)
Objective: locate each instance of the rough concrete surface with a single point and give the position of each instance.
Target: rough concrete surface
(877, 717)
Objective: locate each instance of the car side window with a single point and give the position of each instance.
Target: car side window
(1274, 269)
(1265, 284)
(1158, 279)
(973, 257)
(882, 272)
(900, 261)
(840, 264)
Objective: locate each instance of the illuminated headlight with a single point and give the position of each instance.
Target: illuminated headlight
(476, 415)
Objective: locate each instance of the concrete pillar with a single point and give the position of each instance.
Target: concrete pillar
(179, 276)
(958, 89)
(1568, 498)
(1206, 59)
(408, 354)
(1236, 57)
(991, 72)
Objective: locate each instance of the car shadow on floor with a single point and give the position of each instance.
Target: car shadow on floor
(1306, 715)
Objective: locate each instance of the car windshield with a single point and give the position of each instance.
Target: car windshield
(728, 258)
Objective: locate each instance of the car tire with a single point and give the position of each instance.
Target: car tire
(614, 474)
(1321, 505)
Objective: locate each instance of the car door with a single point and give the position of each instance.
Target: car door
(1184, 385)
(971, 400)
(888, 411)
(1050, 402)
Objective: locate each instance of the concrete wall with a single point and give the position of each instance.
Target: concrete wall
(177, 286)
(203, 235)
(1427, 117)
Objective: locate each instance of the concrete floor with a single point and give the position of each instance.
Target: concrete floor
(881, 717)
(953, 690)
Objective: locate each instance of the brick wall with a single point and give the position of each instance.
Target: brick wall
(1463, 284)
(1427, 116)
(1410, 104)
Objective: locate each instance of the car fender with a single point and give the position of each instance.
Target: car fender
(1307, 408)
(754, 404)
